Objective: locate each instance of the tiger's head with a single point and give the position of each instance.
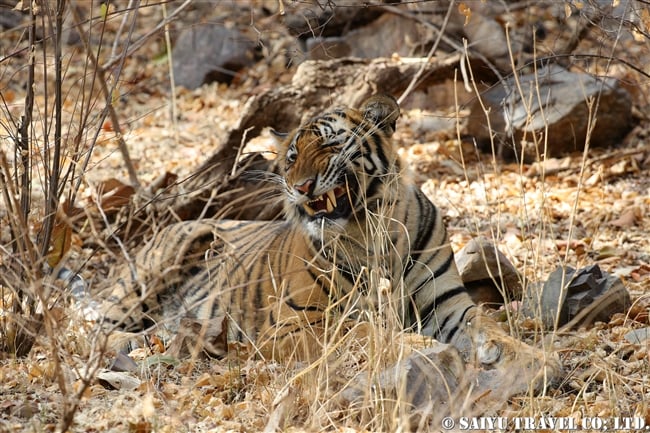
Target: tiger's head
(339, 165)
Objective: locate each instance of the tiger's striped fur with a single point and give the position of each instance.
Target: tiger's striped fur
(351, 212)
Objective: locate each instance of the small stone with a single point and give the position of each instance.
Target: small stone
(123, 363)
(638, 336)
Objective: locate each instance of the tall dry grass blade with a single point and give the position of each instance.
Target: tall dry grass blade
(108, 97)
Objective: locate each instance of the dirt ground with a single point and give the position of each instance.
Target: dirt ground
(577, 210)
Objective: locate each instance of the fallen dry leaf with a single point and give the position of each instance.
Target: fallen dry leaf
(627, 219)
(61, 241)
(118, 380)
(114, 195)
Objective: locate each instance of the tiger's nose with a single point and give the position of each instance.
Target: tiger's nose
(305, 187)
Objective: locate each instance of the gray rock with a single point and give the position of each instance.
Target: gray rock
(487, 273)
(638, 336)
(393, 31)
(434, 383)
(579, 298)
(405, 36)
(558, 100)
(484, 34)
(428, 380)
(206, 53)
(322, 18)
(10, 18)
(123, 363)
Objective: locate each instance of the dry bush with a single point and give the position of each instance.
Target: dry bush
(59, 81)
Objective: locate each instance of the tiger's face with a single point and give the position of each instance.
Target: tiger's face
(336, 167)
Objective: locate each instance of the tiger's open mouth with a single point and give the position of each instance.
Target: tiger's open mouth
(332, 204)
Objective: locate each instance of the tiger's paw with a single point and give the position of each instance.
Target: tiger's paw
(518, 367)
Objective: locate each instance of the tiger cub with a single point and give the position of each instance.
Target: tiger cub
(351, 212)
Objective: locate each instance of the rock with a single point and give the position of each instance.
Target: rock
(487, 273)
(123, 363)
(393, 31)
(429, 380)
(10, 18)
(406, 37)
(563, 108)
(433, 383)
(484, 33)
(582, 297)
(321, 18)
(206, 53)
(370, 30)
(638, 336)
(334, 47)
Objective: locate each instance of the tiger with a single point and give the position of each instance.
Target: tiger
(353, 215)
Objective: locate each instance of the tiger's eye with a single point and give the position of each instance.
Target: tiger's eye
(292, 155)
(291, 158)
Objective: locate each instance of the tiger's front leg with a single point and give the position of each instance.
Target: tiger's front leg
(446, 312)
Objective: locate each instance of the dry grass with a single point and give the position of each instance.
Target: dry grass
(575, 210)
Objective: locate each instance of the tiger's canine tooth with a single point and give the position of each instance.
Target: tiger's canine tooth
(329, 205)
(309, 210)
(332, 199)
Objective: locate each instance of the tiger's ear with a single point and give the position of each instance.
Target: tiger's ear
(277, 135)
(278, 138)
(382, 110)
